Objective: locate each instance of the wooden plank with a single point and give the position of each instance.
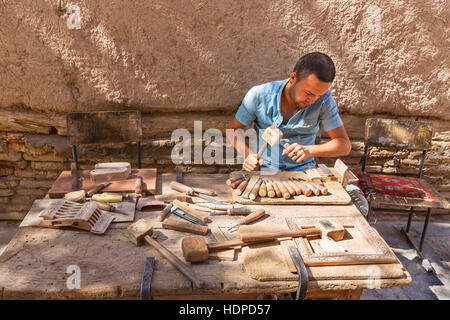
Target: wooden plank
(85, 128)
(399, 134)
(62, 184)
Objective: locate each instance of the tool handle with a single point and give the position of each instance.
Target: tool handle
(276, 189)
(298, 190)
(177, 263)
(284, 191)
(242, 211)
(288, 187)
(255, 215)
(93, 191)
(104, 206)
(191, 210)
(164, 212)
(254, 193)
(258, 236)
(236, 183)
(184, 227)
(262, 190)
(306, 190)
(138, 186)
(323, 189)
(270, 190)
(261, 151)
(204, 191)
(241, 187)
(224, 245)
(232, 180)
(314, 189)
(181, 188)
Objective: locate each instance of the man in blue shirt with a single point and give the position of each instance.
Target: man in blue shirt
(298, 106)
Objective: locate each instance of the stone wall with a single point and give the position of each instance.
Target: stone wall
(178, 62)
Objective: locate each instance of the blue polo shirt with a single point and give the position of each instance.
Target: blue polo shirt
(261, 105)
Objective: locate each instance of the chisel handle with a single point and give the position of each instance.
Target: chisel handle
(258, 236)
(138, 186)
(185, 227)
(284, 191)
(254, 193)
(182, 188)
(236, 183)
(204, 191)
(241, 187)
(288, 187)
(298, 190)
(262, 190)
(255, 215)
(164, 212)
(276, 189)
(93, 191)
(186, 207)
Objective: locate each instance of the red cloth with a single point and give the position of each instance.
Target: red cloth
(400, 187)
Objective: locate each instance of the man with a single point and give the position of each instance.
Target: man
(297, 106)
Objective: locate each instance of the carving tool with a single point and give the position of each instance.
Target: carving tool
(164, 212)
(186, 216)
(254, 193)
(198, 192)
(242, 211)
(257, 214)
(270, 189)
(276, 188)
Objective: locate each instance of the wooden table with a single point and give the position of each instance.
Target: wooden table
(36, 261)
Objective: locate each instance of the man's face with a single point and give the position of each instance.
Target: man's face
(306, 91)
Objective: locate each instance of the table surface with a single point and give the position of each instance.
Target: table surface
(37, 262)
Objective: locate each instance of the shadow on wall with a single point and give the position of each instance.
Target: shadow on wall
(205, 55)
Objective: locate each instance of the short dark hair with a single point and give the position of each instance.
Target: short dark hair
(318, 63)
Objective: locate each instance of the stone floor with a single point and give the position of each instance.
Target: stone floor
(424, 286)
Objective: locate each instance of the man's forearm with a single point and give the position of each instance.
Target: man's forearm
(238, 142)
(334, 148)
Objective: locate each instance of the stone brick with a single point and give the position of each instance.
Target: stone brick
(439, 169)
(15, 137)
(410, 162)
(7, 182)
(31, 183)
(35, 192)
(45, 157)
(444, 187)
(3, 146)
(10, 156)
(52, 166)
(6, 171)
(35, 174)
(373, 169)
(6, 192)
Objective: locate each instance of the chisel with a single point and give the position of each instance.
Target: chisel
(198, 192)
(259, 213)
(186, 216)
(232, 212)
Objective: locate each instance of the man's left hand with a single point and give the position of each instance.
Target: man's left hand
(297, 152)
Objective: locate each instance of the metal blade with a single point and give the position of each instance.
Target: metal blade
(212, 200)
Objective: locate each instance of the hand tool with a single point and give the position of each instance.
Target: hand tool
(198, 192)
(147, 275)
(138, 187)
(107, 207)
(230, 181)
(74, 174)
(254, 193)
(186, 216)
(288, 187)
(301, 271)
(141, 231)
(240, 188)
(259, 236)
(262, 189)
(306, 190)
(195, 249)
(107, 197)
(298, 190)
(314, 189)
(323, 189)
(272, 136)
(80, 195)
(241, 211)
(284, 191)
(164, 212)
(184, 226)
(236, 183)
(187, 207)
(255, 215)
(270, 190)
(276, 188)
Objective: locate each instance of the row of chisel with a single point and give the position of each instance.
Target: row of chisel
(279, 187)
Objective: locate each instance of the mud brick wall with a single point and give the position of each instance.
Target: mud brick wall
(179, 63)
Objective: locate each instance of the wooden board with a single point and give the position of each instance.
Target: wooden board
(336, 193)
(32, 219)
(84, 128)
(63, 183)
(361, 243)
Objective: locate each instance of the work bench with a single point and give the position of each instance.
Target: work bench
(37, 262)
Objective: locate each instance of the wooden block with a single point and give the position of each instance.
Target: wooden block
(333, 230)
(109, 174)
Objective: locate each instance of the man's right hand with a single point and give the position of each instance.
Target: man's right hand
(251, 163)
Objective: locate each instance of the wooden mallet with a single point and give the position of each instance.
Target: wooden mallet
(272, 136)
(142, 230)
